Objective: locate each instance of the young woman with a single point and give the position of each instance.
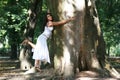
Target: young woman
(40, 49)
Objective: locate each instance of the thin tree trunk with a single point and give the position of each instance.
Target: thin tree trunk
(13, 51)
(25, 53)
(12, 34)
(13, 43)
(108, 51)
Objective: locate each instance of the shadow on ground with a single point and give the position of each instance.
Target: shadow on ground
(9, 70)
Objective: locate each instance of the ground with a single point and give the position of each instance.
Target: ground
(9, 70)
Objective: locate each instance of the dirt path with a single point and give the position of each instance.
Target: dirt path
(10, 72)
(18, 74)
(46, 74)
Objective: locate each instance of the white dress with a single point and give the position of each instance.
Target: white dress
(40, 52)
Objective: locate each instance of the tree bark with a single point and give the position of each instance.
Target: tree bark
(13, 43)
(25, 53)
(78, 45)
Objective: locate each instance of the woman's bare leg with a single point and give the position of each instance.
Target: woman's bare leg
(37, 65)
(37, 62)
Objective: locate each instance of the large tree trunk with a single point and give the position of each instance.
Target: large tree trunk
(78, 45)
(25, 53)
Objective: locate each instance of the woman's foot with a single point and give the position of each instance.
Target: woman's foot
(38, 69)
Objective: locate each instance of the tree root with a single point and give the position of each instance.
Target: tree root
(111, 70)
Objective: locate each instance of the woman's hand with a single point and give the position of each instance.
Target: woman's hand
(62, 21)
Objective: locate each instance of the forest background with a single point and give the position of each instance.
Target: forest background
(15, 17)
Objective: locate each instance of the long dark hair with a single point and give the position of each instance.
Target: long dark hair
(46, 19)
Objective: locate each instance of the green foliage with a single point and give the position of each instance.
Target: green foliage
(109, 14)
(13, 20)
(115, 50)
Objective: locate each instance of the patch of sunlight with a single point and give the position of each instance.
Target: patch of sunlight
(71, 41)
(115, 51)
(4, 68)
(68, 8)
(66, 54)
(86, 78)
(68, 66)
(80, 4)
(95, 64)
(89, 3)
(1, 45)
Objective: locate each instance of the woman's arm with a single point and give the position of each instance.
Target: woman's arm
(62, 22)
